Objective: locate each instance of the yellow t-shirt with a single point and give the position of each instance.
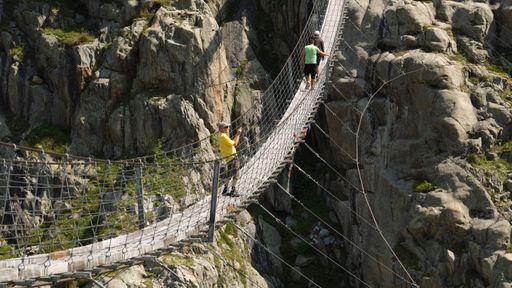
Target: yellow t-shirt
(227, 146)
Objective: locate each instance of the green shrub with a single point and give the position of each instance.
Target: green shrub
(240, 70)
(164, 3)
(423, 186)
(166, 177)
(49, 137)
(474, 80)
(18, 52)
(145, 15)
(231, 229)
(505, 147)
(7, 252)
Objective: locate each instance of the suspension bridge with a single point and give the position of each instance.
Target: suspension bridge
(66, 217)
(63, 215)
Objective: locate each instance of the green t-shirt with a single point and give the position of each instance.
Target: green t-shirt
(310, 52)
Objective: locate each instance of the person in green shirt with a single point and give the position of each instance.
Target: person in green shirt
(227, 149)
(309, 60)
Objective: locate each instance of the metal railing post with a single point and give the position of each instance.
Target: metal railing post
(213, 203)
(140, 196)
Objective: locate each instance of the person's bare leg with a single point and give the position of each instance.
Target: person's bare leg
(308, 82)
(312, 83)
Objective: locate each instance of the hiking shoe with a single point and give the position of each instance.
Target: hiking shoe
(307, 86)
(225, 190)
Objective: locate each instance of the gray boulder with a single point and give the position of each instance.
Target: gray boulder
(473, 20)
(430, 76)
(492, 234)
(500, 113)
(438, 40)
(501, 273)
(453, 177)
(473, 49)
(408, 18)
(446, 8)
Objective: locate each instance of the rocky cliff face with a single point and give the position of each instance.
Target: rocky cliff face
(425, 84)
(118, 75)
(433, 141)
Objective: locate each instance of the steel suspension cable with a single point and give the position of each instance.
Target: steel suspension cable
(275, 255)
(314, 247)
(296, 166)
(343, 236)
(361, 181)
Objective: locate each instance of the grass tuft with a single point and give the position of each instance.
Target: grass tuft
(178, 260)
(498, 167)
(68, 37)
(497, 70)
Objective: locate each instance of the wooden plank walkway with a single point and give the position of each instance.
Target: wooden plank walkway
(255, 175)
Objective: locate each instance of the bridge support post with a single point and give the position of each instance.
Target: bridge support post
(140, 196)
(213, 203)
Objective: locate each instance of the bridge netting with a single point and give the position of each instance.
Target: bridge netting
(63, 213)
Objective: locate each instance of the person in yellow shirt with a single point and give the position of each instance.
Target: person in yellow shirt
(228, 154)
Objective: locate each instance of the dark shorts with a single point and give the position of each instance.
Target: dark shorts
(230, 169)
(310, 69)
